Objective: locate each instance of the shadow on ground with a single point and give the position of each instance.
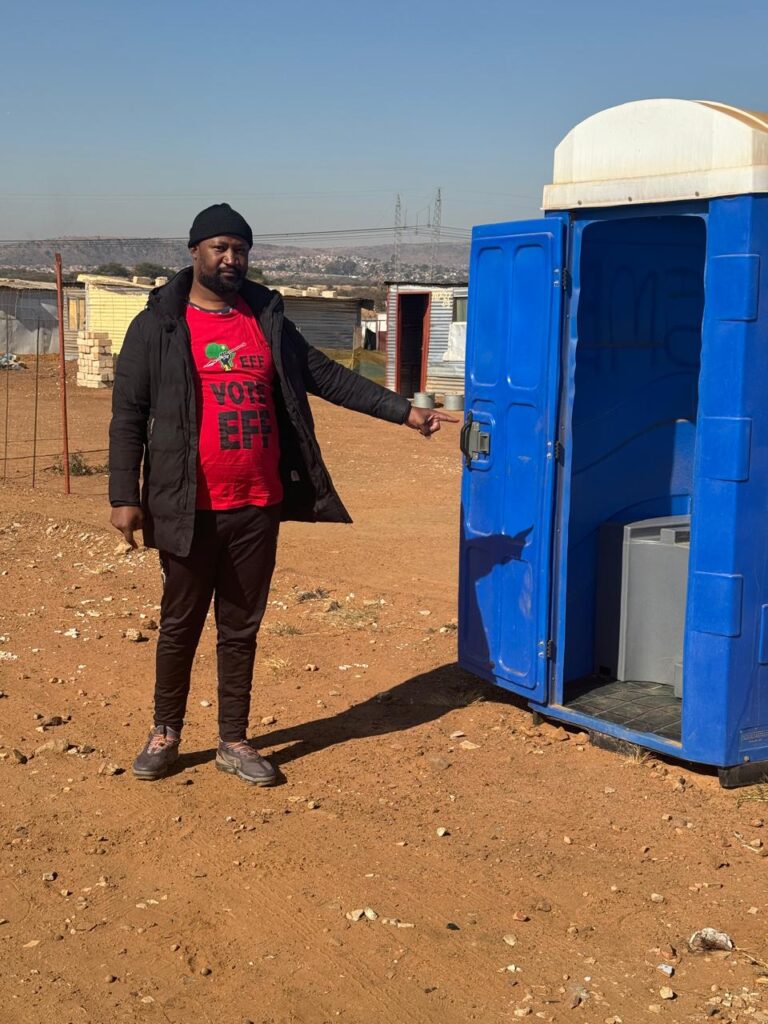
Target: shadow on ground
(420, 699)
(413, 702)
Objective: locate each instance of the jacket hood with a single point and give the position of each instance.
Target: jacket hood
(169, 300)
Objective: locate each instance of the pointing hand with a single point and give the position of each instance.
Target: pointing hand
(427, 421)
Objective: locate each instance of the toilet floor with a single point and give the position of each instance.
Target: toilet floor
(640, 706)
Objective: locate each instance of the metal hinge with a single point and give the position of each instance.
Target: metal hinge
(549, 650)
(559, 450)
(565, 279)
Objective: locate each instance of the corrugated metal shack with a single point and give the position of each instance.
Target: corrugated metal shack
(330, 323)
(27, 307)
(426, 330)
(335, 326)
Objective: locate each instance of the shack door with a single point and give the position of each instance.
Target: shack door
(508, 445)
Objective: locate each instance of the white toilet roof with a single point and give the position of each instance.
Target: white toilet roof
(658, 151)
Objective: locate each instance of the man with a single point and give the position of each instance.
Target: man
(211, 396)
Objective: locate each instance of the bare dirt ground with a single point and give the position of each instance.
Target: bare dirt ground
(566, 875)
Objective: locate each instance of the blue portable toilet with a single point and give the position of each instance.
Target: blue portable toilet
(617, 401)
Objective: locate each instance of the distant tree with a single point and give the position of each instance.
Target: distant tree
(152, 270)
(25, 274)
(112, 270)
(257, 274)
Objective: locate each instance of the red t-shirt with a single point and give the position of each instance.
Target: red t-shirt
(238, 444)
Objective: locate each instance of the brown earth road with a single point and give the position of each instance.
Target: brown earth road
(549, 840)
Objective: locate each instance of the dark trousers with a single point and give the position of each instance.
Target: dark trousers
(232, 559)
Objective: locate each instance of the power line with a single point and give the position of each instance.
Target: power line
(463, 232)
(193, 195)
(165, 196)
(452, 232)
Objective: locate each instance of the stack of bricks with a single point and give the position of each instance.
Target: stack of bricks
(95, 365)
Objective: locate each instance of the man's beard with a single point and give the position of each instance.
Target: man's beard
(221, 285)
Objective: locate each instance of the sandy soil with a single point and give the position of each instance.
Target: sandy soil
(567, 874)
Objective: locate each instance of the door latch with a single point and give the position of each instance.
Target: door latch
(474, 440)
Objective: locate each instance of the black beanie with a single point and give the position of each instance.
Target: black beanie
(220, 219)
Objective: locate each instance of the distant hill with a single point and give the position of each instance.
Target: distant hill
(279, 262)
(87, 253)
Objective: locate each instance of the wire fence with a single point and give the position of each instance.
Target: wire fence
(53, 432)
(32, 449)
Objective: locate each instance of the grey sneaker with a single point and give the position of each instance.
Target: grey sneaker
(158, 754)
(244, 761)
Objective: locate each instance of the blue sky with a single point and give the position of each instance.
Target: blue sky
(126, 119)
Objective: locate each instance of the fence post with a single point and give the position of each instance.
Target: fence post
(7, 391)
(37, 393)
(62, 371)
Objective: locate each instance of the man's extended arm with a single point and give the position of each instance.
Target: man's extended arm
(335, 383)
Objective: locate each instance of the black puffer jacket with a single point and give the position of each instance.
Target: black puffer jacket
(154, 415)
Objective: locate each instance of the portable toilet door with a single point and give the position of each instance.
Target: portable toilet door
(509, 443)
(617, 358)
